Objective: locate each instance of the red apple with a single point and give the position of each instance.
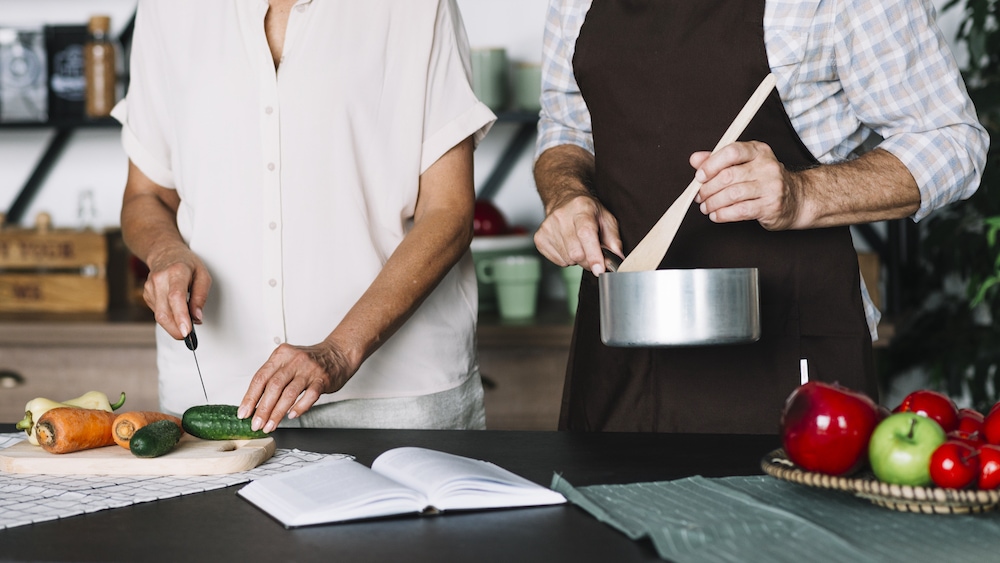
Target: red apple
(991, 426)
(488, 220)
(934, 405)
(826, 427)
(989, 467)
(969, 420)
(954, 465)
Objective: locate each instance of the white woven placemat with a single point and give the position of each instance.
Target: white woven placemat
(27, 499)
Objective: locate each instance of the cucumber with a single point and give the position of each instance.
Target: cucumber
(155, 439)
(218, 422)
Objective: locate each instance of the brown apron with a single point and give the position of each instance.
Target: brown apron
(663, 79)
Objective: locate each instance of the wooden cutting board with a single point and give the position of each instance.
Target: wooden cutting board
(191, 456)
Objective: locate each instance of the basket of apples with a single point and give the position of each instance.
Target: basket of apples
(925, 456)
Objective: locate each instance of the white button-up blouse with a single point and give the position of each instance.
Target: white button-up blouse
(296, 185)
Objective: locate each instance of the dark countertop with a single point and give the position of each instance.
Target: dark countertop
(220, 526)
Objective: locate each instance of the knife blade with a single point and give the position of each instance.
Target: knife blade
(191, 341)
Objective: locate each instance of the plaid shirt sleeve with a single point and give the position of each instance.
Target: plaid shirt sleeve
(564, 118)
(907, 86)
(847, 68)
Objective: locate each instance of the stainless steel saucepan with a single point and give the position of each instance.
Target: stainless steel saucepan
(667, 308)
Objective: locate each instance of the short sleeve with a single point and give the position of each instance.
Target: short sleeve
(143, 112)
(452, 111)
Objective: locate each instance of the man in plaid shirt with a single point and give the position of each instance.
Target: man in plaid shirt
(635, 92)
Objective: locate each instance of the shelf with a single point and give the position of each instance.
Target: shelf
(99, 123)
(64, 129)
(551, 327)
(518, 116)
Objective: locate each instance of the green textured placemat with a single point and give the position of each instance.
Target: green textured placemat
(764, 519)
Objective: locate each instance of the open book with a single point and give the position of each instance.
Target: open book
(401, 481)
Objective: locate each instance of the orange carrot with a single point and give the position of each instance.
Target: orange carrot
(127, 423)
(66, 429)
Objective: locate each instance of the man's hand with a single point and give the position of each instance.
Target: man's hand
(744, 182)
(576, 223)
(574, 231)
(291, 381)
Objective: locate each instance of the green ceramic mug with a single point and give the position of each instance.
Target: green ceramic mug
(527, 86)
(517, 279)
(489, 76)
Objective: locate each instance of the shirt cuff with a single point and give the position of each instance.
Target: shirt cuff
(944, 172)
(552, 135)
(476, 121)
(150, 166)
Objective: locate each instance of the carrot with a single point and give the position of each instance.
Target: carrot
(67, 429)
(127, 423)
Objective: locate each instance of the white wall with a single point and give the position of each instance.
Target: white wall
(94, 159)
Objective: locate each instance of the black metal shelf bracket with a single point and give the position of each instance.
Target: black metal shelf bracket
(45, 164)
(522, 138)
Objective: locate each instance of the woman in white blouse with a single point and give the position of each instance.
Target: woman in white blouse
(300, 185)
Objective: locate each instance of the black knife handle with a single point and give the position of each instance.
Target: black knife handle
(191, 340)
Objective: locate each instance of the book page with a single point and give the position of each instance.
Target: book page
(452, 482)
(331, 491)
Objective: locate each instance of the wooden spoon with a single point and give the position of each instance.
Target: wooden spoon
(650, 251)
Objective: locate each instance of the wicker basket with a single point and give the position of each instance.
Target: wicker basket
(925, 500)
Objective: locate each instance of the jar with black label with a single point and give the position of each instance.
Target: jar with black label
(67, 80)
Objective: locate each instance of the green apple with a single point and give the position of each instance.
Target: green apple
(900, 448)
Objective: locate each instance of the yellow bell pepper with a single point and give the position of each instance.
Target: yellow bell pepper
(35, 408)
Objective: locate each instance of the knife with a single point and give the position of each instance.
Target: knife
(191, 341)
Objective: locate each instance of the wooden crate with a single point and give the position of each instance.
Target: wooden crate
(53, 270)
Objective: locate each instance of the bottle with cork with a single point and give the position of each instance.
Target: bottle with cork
(99, 68)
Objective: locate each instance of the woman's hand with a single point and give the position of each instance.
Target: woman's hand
(291, 381)
(178, 282)
(176, 289)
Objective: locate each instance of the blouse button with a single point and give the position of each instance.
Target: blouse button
(272, 225)
(270, 166)
(269, 110)
(272, 282)
(277, 340)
